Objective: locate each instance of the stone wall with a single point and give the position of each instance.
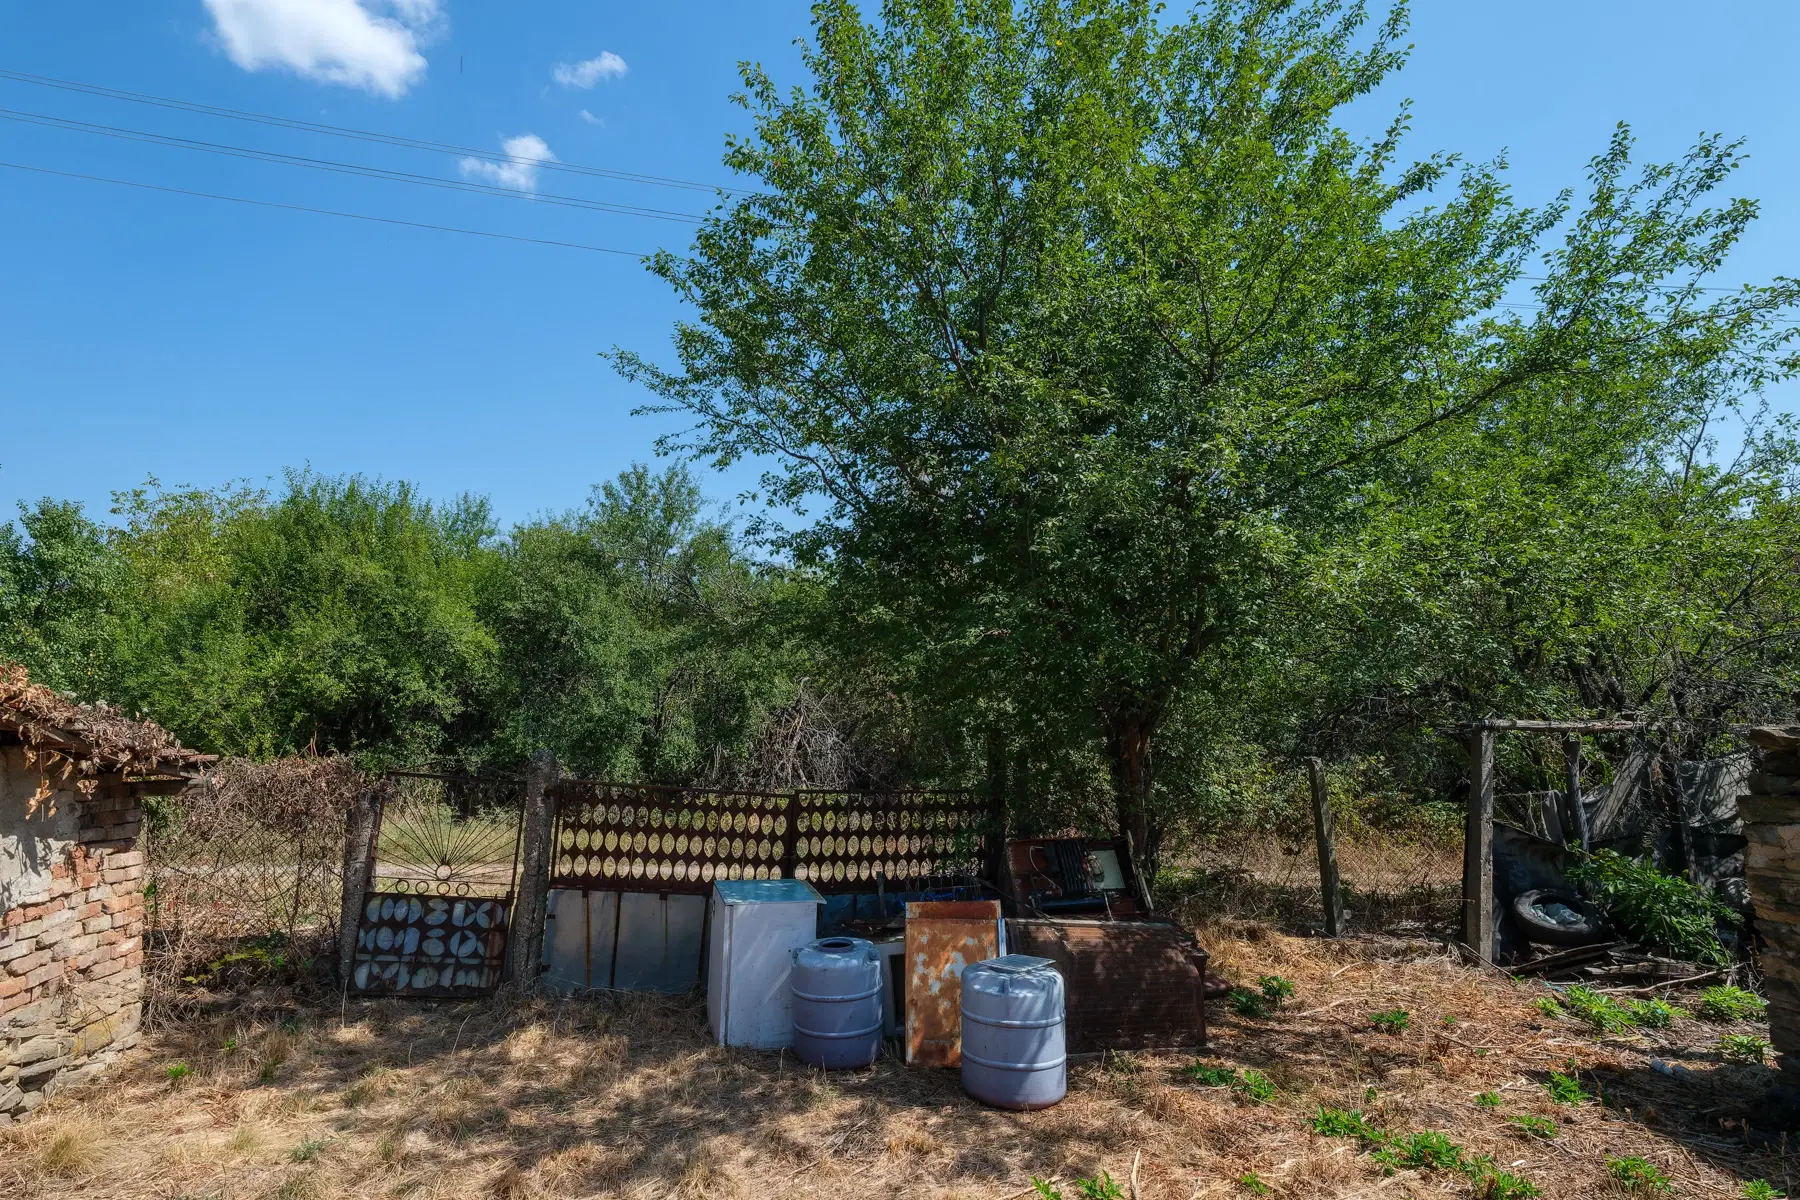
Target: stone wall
(71, 951)
(1771, 814)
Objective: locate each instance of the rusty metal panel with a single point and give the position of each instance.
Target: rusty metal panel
(843, 840)
(1132, 985)
(942, 938)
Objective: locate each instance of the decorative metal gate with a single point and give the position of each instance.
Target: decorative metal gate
(441, 886)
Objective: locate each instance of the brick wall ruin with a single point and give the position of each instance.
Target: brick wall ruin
(1771, 814)
(71, 934)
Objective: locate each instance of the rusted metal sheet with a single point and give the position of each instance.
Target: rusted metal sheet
(1132, 985)
(942, 938)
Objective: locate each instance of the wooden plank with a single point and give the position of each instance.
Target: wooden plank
(1572, 793)
(1633, 774)
(1325, 834)
(1478, 848)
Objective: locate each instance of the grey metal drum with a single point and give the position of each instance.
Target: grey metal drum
(836, 989)
(1013, 1040)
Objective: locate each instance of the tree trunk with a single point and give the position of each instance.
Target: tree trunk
(1128, 751)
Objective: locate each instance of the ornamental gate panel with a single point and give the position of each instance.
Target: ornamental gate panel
(441, 886)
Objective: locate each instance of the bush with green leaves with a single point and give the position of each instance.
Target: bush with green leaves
(1762, 1189)
(1662, 911)
(1655, 1014)
(1637, 1176)
(1246, 1003)
(1345, 1122)
(1276, 990)
(1209, 1076)
(1731, 1004)
(1743, 1048)
(1602, 1012)
(1565, 1089)
(1255, 1087)
(1100, 1187)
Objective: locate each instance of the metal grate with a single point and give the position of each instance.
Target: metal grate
(627, 837)
(448, 835)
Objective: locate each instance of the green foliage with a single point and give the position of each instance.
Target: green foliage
(1488, 1100)
(1654, 1014)
(1761, 1189)
(1491, 1183)
(1425, 1151)
(1209, 1076)
(1659, 910)
(1036, 313)
(1276, 990)
(1637, 1175)
(1345, 1122)
(1537, 1127)
(1247, 1003)
(1602, 1012)
(1731, 1004)
(1255, 1087)
(177, 1072)
(1251, 1182)
(1565, 1089)
(1548, 1006)
(1100, 1187)
(1743, 1048)
(1393, 1021)
(308, 1150)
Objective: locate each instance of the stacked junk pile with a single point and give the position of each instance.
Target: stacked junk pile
(1069, 961)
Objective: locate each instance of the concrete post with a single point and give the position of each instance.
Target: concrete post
(525, 942)
(360, 828)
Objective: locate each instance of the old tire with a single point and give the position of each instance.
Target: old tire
(1555, 918)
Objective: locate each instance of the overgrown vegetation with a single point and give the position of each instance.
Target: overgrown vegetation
(1657, 909)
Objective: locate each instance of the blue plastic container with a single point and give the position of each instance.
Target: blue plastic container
(1014, 1049)
(836, 986)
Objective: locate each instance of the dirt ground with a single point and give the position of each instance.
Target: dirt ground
(625, 1096)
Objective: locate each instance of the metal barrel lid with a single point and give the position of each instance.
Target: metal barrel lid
(1017, 964)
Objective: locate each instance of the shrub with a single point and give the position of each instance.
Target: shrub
(1637, 1175)
(1393, 1021)
(1655, 1014)
(1743, 1047)
(1731, 1004)
(1659, 910)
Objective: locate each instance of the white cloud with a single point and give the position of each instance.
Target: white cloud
(367, 44)
(586, 74)
(591, 119)
(526, 151)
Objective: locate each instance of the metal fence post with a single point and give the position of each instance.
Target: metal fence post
(1478, 849)
(360, 827)
(525, 946)
(1325, 831)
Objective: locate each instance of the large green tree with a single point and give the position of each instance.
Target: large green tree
(1085, 326)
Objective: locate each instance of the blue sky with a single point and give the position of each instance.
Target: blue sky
(145, 333)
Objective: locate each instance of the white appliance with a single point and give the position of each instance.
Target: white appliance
(755, 927)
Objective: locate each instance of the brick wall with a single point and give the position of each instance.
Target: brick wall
(71, 955)
(1771, 814)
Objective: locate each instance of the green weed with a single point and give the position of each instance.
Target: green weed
(177, 1072)
(1565, 1089)
(1659, 910)
(1275, 989)
(1345, 1122)
(1488, 1100)
(1731, 1004)
(1537, 1127)
(308, 1150)
(1254, 1086)
(1654, 1014)
(1637, 1175)
(1604, 1013)
(1743, 1048)
(1425, 1151)
(1100, 1187)
(1045, 1189)
(1247, 1003)
(1209, 1076)
(1762, 1189)
(1251, 1182)
(1393, 1021)
(1548, 1006)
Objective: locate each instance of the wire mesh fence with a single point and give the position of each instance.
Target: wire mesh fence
(244, 870)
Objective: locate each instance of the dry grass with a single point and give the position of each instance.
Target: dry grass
(626, 1097)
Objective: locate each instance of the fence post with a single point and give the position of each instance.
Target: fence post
(1572, 769)
(526, 944)
(1325, 830)
(360, 827)
(1478, 849)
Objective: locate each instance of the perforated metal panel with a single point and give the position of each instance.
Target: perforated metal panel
(616, 837)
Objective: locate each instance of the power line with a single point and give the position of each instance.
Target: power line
(366, 135)
(340, 168)
(328, 212)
